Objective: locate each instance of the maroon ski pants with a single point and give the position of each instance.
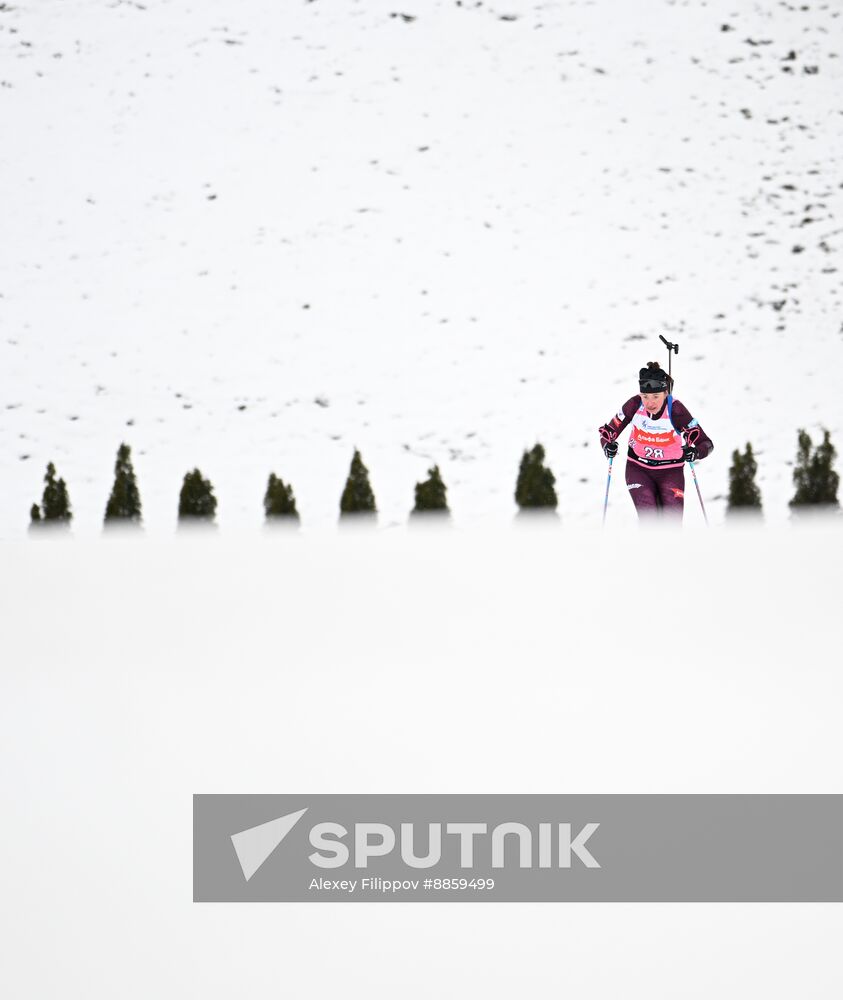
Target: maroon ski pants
(656, 491)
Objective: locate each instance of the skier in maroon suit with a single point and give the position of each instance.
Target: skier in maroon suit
(655, 460)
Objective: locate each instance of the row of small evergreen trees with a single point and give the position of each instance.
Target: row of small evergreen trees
(197, 500)
(814, 477)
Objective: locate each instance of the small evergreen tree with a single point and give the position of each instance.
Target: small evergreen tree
(815, 480)
(535, 486)
(431, 495)
(124, 504)
(744, 495)
(55, 502)
(278, 500)
(357, 497)
(197, 499)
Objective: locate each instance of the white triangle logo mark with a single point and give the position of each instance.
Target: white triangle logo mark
(253, 846)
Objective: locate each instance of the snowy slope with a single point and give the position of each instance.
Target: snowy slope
(253, 236)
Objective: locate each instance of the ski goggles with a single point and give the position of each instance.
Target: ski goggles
(653, 385)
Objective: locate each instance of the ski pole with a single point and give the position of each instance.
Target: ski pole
(696, 483)
(608, 484)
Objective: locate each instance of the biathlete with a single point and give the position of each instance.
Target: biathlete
(655, 460)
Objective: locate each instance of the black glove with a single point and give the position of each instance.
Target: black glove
(689, 453)
(610, 449)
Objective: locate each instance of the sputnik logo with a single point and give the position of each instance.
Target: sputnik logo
(253, 846)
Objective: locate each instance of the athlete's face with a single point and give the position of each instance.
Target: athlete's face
(653, 401)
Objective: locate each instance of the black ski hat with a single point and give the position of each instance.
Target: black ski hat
(652, 378)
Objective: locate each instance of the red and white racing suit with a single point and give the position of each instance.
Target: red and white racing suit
(655, 466)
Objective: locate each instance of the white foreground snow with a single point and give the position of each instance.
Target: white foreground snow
(137, 673)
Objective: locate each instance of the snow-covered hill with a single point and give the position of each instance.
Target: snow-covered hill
(253, 236)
